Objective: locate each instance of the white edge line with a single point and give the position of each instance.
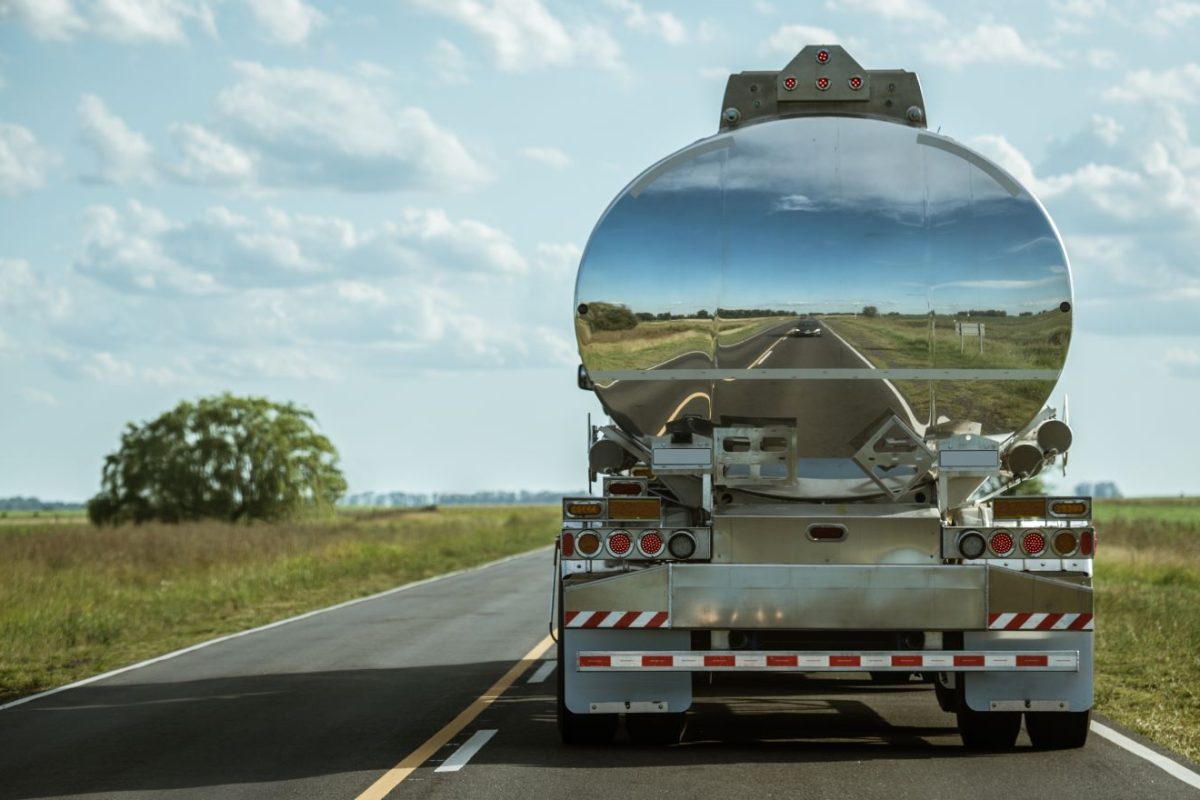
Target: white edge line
(1172, 768)
(227, 637)
(542, 672)
(465, 751)
(912, 418)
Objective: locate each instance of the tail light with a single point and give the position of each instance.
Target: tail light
(682, 545)
(1087, 542)
(1064, 543)
(588, 544)
(856, 82)
(1033, 543)
(822, 56)
(584, 508)
(1001, 543)
(789, 83)
(822, 83)
(620, 543)
(626, 488)
(972, 544)
(650, 544)
(567, 542)
(1068, 508)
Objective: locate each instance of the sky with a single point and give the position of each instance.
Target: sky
(376, 210)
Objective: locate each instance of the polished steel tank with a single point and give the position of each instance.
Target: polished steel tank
(822, 272)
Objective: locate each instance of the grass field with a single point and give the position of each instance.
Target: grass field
(76, 600)
(654, 342)
(1148, 619)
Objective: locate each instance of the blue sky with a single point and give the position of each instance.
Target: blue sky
(376, 210)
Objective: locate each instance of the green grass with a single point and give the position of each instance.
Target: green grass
(76, 600)
(651, 343)
(1148, 618)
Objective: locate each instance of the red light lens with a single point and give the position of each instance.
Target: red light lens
(822, 83)
(568, 545)
(789, 83)
(1087, 542)
(1033, 543)
(1001, 543)
(620, 543)
(856, 83)
(651, 543)
(822, 56)
(625, 487)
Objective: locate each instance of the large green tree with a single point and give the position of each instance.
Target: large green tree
(223, 457)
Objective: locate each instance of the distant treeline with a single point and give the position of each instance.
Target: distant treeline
(33, 504)
(619, 317)
(418, 500)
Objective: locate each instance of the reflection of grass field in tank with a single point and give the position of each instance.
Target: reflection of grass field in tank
(736, 331)
(1147, 626)
(1035, 342)
(646, 345)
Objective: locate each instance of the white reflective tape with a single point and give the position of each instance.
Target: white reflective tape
(1001, 622)
(643, 619)
(812, 661)
(689, 661)
(876, 661)
(750, 661)
(1033, 621)
(580, 618)
(626, 659)
(990, 660)
(1064, 622)
(610, 619)
(1063, 661)
(939, 661)
(1091, 625)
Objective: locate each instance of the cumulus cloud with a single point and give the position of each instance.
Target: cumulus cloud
(25, 293)
(661, 24)
(209, 159)
(523, 35)
(287, 22)
(902, 10)
(1175, 85)
(124, 155)
(550, 156)
(1183, 363)
(163, 21)
(448, 62)
(989, 43)
(24, 162)
(790, 39)
(315, 128)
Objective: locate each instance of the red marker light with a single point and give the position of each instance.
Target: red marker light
(822, 56)
(856, 83)
(789, 83)
(822, 83)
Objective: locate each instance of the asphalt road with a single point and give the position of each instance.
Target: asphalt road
(324, 706)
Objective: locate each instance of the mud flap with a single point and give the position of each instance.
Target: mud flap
(1032, 691)
(611, 692)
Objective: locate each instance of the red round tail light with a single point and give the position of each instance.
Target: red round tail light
(1033, 543)
(856, 83)
(1001, 543)
(650, 544)
(822, 83)
(789, 83)
(1087, 542)
(822, 56)
(620, 543)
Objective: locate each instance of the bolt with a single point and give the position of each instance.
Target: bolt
(732, 114)
(914, 114)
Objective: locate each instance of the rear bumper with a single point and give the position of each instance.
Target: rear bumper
(828, 597)
(779, 661)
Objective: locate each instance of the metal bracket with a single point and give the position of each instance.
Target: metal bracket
(894, 445)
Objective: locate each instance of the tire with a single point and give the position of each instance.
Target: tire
(988, 730)
(890, 678)
(947, 698)
(655, 730)
(1058, 730)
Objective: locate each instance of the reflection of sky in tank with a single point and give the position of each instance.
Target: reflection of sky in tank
(825, 215)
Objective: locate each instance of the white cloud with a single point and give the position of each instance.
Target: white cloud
(124, 154)
(288, 22)
(790, 39)
(372, 71)
(468, 242)
(24, 162)
(904, 10)
(209, 159)
(1174, 15)
(25, 293)
(558, 260)
(448, 62)
(126, 252)
(117, 20)
(314, 128)
(715, 73)
(1175, 85)
(38, 397)
(989, 43)
(662, 24)
(1085, 9)
(524, 35)
(1182, 363)
(1099, 58)
(550, 156)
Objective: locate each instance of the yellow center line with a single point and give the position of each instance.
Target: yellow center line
(394, 776)
(679, 408)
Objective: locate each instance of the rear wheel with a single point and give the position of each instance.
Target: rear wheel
(890, 678)
(1058, 730)
(988, 730)
(947, 698)
(655, 730)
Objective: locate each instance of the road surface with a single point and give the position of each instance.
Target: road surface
(324, 706)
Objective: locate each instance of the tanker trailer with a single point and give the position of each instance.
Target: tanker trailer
(825, 338)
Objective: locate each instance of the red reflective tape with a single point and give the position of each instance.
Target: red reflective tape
(1033, 661)
(1016, 622)
(657, 620)
(627, 619)
(595, 661)
(595, 620)
(1048, 622)
(968, 661)
(1080, 622)
(782, 661)
(658, 661)
(907, 661)
(568, 616)
(845, 661)
(992, 619)
(720, 661)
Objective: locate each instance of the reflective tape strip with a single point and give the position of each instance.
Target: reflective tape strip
(1040, 622)
(615, 619)
(768, 661)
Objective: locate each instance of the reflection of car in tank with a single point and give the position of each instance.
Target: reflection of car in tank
(806, 327)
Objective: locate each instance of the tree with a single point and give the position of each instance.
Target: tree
(223, 457)
(611, 317)
(870, 311)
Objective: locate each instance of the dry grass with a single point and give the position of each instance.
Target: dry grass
(1147, 619)
(76, 600)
